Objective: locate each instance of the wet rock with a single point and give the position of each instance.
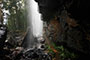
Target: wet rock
(36, 54)
(41, 40)
(29, 40)
(68, 24)
(3, 35)
(71, 35)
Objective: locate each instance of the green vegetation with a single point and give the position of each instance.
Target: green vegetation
(63, 52)
(17, 19)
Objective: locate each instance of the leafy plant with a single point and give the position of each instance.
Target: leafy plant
(63, 52)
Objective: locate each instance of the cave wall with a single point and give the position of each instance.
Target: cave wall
(67, 23)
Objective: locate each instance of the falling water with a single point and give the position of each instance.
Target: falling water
(35, 41)
(34, 17)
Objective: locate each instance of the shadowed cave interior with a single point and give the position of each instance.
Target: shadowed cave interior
(66, 33)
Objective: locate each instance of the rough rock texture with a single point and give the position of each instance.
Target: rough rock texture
(67, 23)
(3, 35)
(28, 40)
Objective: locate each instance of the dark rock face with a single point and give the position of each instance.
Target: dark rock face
(50, 3)
(74, 34)
(28, 41)
(80, 9)
(77, 8)
(67, 32)
(72, 23)
(37, 54)
(33, 54)
(48, 8)
(3, 35)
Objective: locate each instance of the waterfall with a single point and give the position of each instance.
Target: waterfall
(35, 41)
(35, 18)
(36, 25)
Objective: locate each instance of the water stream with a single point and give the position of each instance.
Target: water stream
(36, 25)
(35, 18)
